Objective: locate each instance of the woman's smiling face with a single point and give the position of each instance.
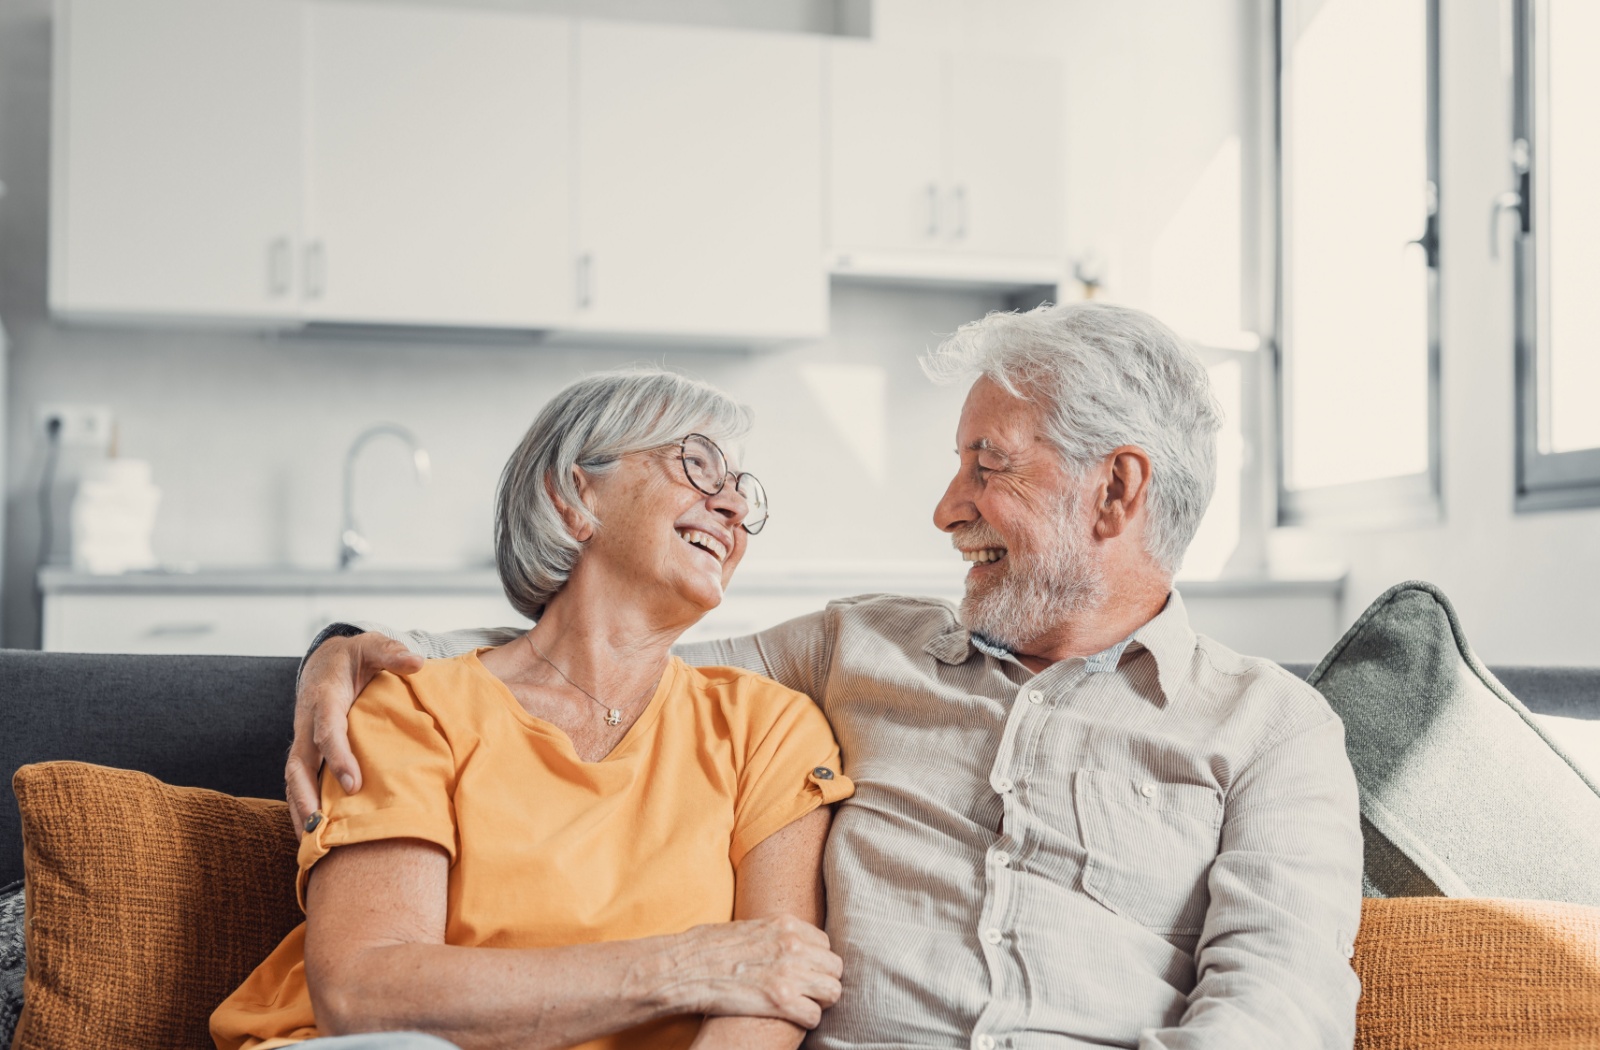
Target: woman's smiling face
(661, 535)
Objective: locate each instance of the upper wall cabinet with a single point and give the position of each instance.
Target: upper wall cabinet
(438, 167)
(699, 196)
(176, 169)
(944, 166)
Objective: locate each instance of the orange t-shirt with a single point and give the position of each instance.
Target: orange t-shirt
(546, 849)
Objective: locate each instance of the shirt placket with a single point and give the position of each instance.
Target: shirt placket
(1007, 1011)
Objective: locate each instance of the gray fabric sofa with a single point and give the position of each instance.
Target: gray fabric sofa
(224, 722)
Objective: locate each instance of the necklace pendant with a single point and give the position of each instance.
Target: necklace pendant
(614, 717)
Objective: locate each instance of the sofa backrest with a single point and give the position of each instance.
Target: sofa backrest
(220, 722)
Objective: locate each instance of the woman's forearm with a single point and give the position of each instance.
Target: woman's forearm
(494, 997)
(748, 1033)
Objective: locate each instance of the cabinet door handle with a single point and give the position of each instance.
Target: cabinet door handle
(168, 630)
(585, 280)
(316, 270)
(960, 232)
(278, 266)
(933, 209)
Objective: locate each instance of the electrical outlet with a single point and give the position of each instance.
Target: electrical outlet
(81, 426)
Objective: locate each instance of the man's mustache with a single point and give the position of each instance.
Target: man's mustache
(978, 534)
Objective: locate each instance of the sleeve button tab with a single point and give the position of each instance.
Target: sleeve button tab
(822, 773)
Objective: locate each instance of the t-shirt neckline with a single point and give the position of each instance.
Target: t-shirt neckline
(636, 732)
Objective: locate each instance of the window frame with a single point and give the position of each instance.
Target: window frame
(1545, 480)
(1380, 502)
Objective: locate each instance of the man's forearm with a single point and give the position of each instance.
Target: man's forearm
(428, 644)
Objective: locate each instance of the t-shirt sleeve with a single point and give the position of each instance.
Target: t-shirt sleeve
(408, 775)
(790, 766)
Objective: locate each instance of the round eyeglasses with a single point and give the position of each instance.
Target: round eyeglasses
(706, 467)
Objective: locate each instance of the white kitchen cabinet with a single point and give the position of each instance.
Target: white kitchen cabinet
(439, 185)
(256, 612)
(1005, 169)
(886, 118)
(945, 166)
(699, 195)
(177, 622)
(176, 168)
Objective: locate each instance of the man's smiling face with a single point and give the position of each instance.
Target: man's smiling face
(1018, 514)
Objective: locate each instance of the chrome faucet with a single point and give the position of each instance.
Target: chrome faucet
(352, 545)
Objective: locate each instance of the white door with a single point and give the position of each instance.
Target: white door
(439, 167)
(699, 182)
(1006, 176)
(886, 158)
(176, 157)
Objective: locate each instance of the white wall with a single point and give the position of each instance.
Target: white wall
(1527, 586)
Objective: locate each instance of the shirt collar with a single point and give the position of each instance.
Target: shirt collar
(1167, 637)
(1171, 641)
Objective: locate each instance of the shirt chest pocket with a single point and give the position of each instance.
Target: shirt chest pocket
(1149, 847)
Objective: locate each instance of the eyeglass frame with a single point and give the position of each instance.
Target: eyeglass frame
(682, 445)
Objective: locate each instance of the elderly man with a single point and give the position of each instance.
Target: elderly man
(1076, 822)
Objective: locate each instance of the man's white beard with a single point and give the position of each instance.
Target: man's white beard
(1037, 591)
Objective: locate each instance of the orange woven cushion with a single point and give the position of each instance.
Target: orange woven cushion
(1463, 974)
(147, 904)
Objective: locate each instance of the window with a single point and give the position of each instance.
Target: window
(1358, 281)
(1555, 158)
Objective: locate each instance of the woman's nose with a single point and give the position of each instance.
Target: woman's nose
(730, 503)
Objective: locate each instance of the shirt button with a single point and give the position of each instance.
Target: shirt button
(1035, 697)
(1002, 859)
(822, 773)
(992, 935)
(1148, 791)
(1003, 785)
(985, 1042)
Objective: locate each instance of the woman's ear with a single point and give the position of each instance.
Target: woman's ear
(578, 524)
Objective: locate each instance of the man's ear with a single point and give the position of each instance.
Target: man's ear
(1125, 485)
(577, 523)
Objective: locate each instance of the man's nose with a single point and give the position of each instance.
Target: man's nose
(955, 508)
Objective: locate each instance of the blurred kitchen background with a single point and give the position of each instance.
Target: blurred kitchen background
(238, 235)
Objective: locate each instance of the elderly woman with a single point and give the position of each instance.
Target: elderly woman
(575, 839)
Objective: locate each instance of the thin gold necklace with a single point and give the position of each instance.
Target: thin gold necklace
(613, 714)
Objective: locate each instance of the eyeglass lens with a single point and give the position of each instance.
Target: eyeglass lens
(707, 470)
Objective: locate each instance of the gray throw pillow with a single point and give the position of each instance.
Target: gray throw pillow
(12, 960)
(1462, 793)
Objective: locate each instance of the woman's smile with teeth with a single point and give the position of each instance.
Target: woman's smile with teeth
(985, 554)
(706, 542)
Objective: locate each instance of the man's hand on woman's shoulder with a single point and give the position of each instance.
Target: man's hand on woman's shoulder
(330, 680)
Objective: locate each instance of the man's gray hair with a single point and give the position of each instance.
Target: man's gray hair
(590, 426)
(1107, 376)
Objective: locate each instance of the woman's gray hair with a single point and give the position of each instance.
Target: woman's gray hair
(1107, 376)
(589, 426)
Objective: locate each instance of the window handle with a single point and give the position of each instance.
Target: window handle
(1511, 201)
(1519, 200)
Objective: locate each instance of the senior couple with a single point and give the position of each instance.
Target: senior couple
(1059, 817)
